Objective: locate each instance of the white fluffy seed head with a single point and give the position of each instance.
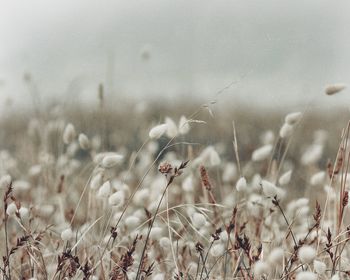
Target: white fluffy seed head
(187, 184)
(285, 178)
(241, 184)
(104, 190)
(268, 188)
(159, 276)
(184, 126)
(335, 88)
(318, 178)
(335, 277)
(111, 160)
(198, 220)
(171, 127)
(116, 199)
(306, 275)
(157, 131)
(217, 250)
(293, 118)
(268, 137)
(214, 158)
(276, 256)
(320, 267)
(165, 243)
(307, 254)
(262, 153)
(141, 197)
(11, 209)
(96, 181)
(67, 234)
(69, 134)
(5, 181)
(132, 222)
(286, 130)
(312, 155)
(21, 185)
(156, 233)
(24, 213)
(230, 172)
(34, 171)
(84, 141)
(260, 268)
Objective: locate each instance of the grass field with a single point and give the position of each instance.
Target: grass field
(174, 191)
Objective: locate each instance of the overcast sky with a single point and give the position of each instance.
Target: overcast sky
(278, 51)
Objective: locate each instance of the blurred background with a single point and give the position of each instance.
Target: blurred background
(271, 54)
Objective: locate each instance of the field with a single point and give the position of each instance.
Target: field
(174, 191)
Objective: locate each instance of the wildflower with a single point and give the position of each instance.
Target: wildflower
(165, 168)
(205, 178)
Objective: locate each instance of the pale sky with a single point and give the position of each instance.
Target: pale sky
(279, 51)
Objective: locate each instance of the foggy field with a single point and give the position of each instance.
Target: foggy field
(174, 140)
(174, 191)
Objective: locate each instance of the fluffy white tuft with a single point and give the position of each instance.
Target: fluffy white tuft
(69, 134)
(307, 254)
(306, 275)
(157, 131)
(241, 184)
(262, 153)
(293, 118)
(285, 178)
(335, 88)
